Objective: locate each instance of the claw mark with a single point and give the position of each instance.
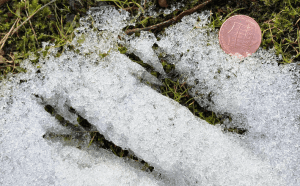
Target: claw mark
(84, 133)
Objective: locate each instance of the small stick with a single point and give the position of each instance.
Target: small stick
(170, 21)
(3, 40)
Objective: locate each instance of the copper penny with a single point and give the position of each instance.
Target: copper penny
(240, 36)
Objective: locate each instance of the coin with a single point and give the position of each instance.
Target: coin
(240, 36)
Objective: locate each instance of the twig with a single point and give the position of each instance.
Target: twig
(170, 21)
(129, 8)
(3, 40)
(91, 140)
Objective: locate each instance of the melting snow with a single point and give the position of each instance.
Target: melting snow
(258, 94)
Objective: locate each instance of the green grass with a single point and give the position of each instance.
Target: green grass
(279, 21)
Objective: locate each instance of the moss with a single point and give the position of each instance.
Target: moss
(137, 34)
(122, 49)
(79, 119)
(154, 74)
(67, 137)
(49, 25)
(136, 59)
(49, 109)
(103, 55)
(210, 119)
(81, 39)
(59, 117)
(167, 67)
(77, 51)
(236, 130)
